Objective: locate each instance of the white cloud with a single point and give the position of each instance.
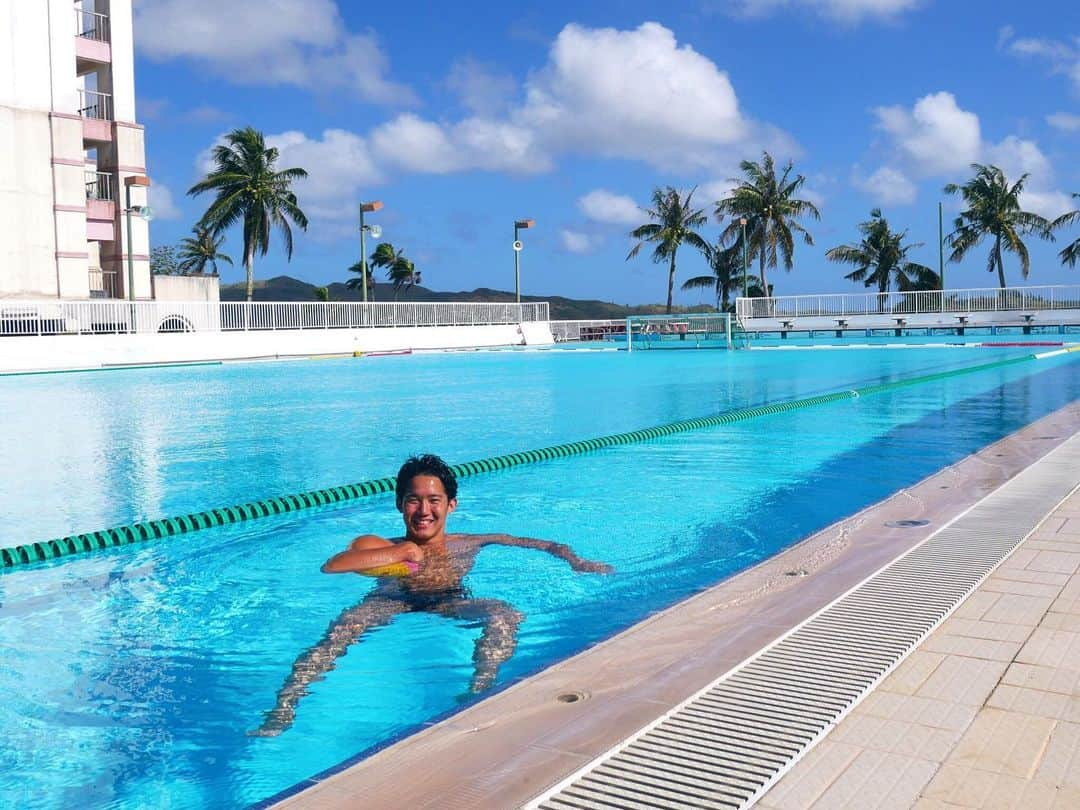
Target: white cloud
(597, 95)
(888, 186)
(709, 193)
(480, 88)
(578, 242)
(936, 136)
(600, 91)
(846, 11)
(1016, 157)
(1062, 57)
(339, 167)
(1066, 122)
(602, 205)
(160, 200)
(411, 143)
(293, 42)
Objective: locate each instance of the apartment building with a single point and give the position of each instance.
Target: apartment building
(72, 157)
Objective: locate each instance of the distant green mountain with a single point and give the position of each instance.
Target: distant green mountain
(287, 288)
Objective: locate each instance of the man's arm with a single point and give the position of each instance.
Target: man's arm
(560, 550)
(369, 551)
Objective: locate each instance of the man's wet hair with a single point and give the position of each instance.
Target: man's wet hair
(426, 464)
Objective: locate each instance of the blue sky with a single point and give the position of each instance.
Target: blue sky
(469, 115)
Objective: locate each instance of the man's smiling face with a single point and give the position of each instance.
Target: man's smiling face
(425, 508)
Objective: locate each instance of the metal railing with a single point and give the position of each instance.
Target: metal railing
(146, 317)
(104, 283)
(93, 104)
(99, 186)
(1009, 299)
(92, 25)
(585, 330)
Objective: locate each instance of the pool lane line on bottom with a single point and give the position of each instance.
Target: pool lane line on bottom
(111, 367)
(25, 554)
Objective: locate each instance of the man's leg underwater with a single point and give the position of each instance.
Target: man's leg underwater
(497, 639)
(312, 665)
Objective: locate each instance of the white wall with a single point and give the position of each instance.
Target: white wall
(186, 288)
(98, 351)
(27, 229)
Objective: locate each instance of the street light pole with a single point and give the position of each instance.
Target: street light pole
(144, 182)
(941, 247)
(745, 265)
(366, 207)
(519, 224)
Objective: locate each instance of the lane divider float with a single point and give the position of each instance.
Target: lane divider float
(16, 556)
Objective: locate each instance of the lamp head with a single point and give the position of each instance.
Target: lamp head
(375, 230)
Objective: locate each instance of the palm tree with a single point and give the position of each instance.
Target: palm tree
(1071, 253)
(728, 275)
(881, 258)
(404, 275)
(203, 249)
(250, 190)
(993, 209)
(399, 270)
(354, 283)
(771, 210)
(674, 225)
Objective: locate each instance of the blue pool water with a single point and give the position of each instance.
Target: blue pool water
(131, 677)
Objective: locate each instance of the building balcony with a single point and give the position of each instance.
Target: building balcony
(104, 283)
(96, 111)
(100, 207)
(92, 38)
(99, 186)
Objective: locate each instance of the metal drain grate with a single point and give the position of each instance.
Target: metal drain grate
(724, 747)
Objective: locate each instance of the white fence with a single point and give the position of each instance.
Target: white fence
(563, 331)
(113, 317)
(1010, 299)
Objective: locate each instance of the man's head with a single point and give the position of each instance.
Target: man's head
(426, 494)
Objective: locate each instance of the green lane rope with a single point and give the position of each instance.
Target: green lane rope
(28, 553)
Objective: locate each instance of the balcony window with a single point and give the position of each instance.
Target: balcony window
(99, 186)
(104, 283)
(91, 25)
(93, 104)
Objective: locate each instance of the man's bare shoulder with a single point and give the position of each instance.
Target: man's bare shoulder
(462, 539)
(369, 541)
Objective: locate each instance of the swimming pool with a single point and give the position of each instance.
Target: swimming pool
(132, 676)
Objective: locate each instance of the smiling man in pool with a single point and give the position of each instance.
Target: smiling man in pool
(421, 572)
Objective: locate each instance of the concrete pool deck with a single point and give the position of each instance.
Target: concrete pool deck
(506, 750)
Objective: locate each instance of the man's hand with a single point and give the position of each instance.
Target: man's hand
(590, 567)
(412, 552)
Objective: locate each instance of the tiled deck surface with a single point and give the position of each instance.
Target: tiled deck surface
(984, 714)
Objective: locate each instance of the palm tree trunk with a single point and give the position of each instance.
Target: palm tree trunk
(671, 283)
(249, 269)
(1000, 264)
